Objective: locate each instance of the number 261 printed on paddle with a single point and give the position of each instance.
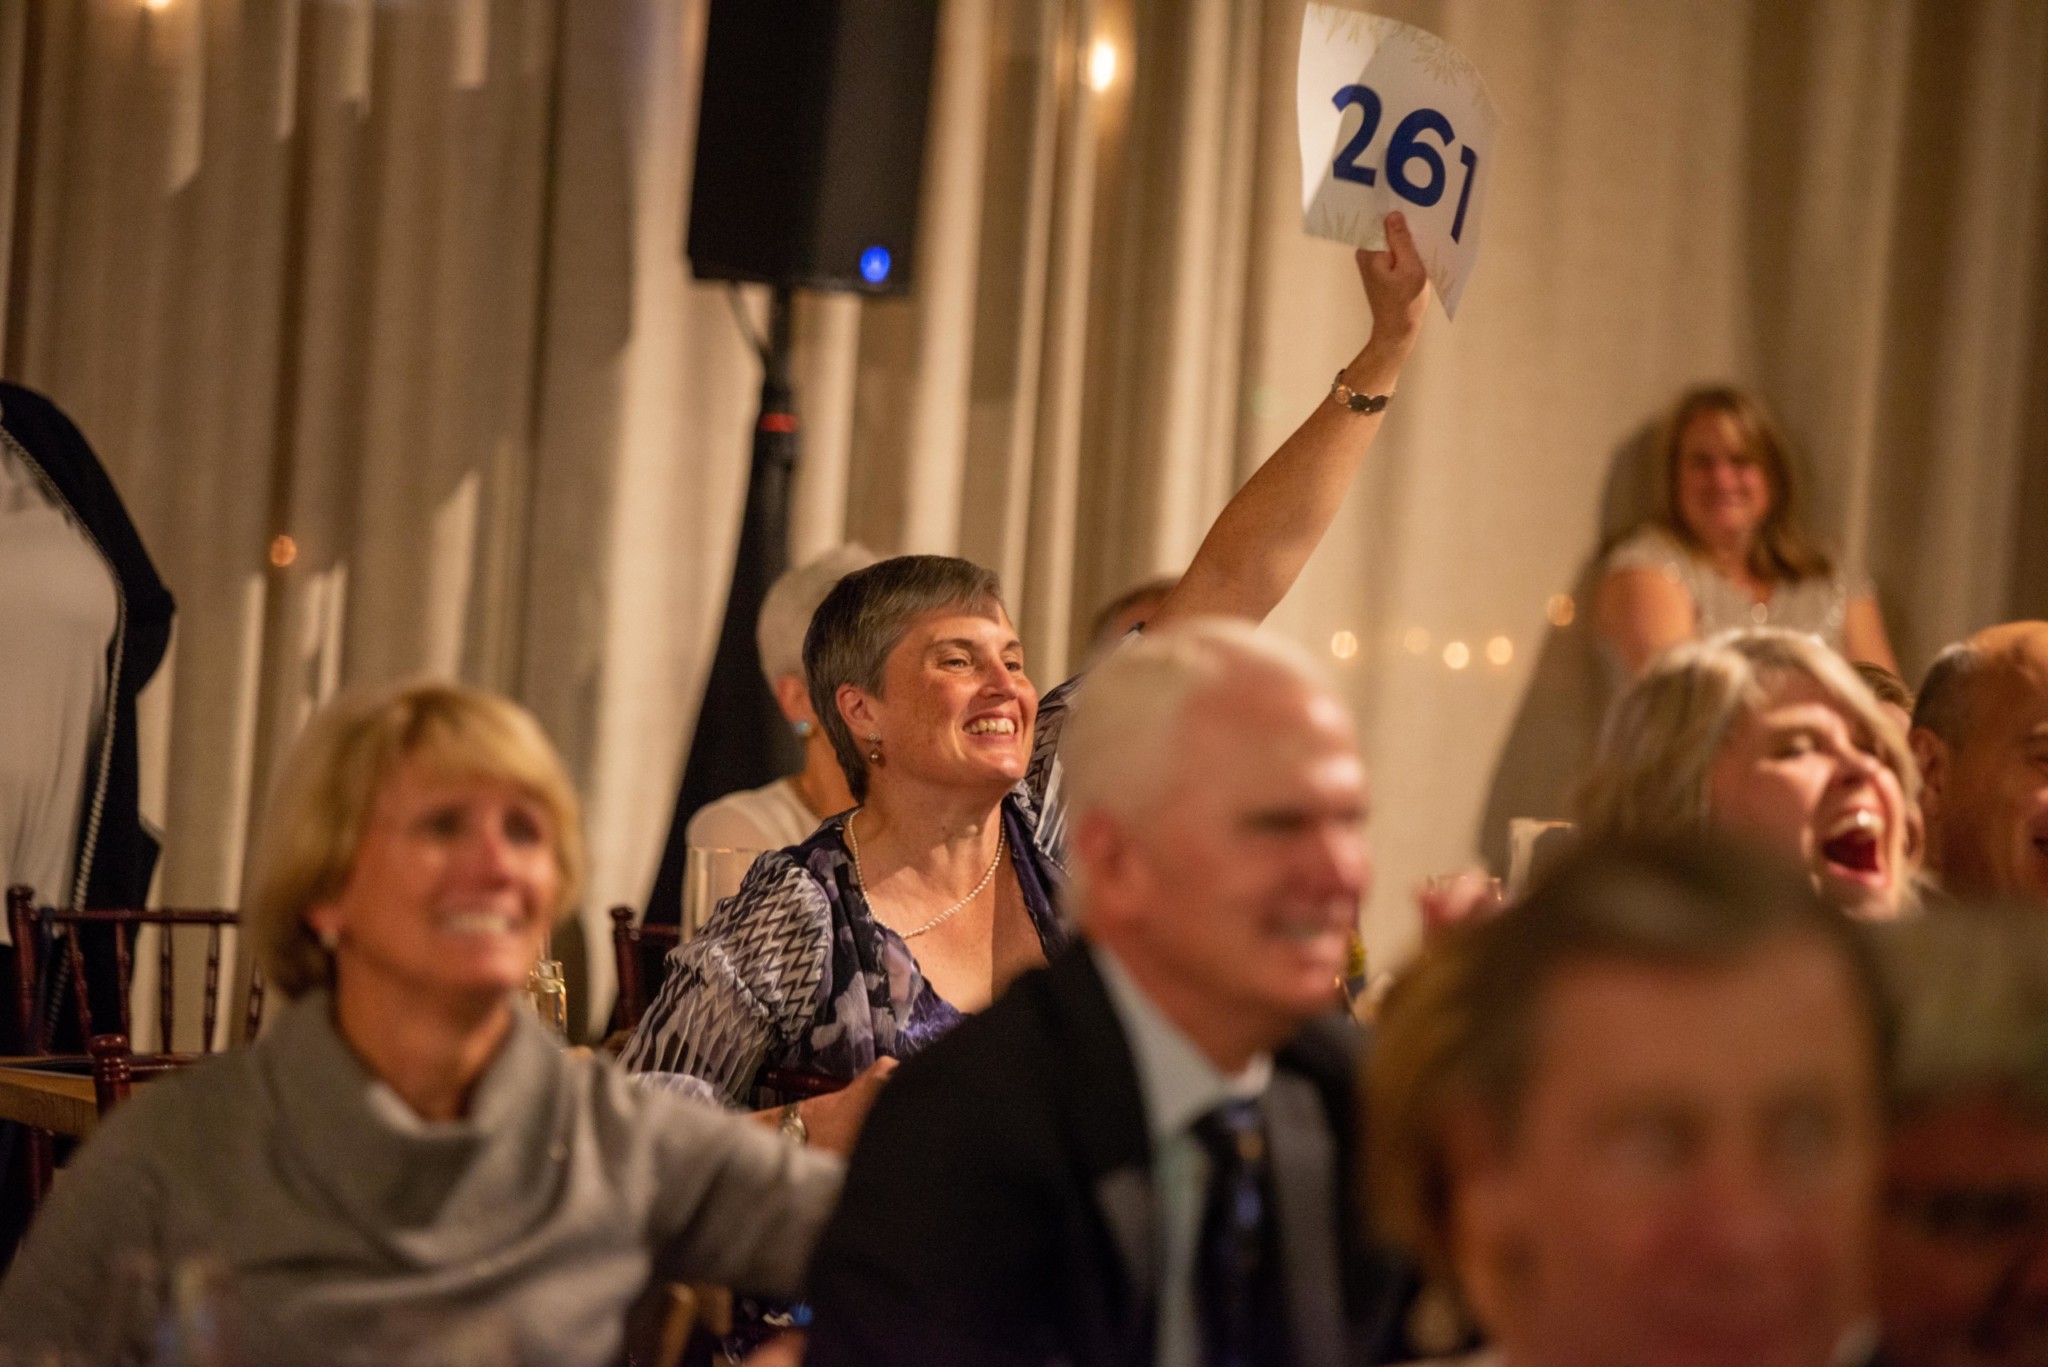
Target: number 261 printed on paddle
(1404, 149)
(1393, 117)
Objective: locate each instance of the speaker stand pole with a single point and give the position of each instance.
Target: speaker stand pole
(775, 428)
(741, 739)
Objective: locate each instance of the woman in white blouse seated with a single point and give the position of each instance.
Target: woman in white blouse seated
(405, 1168)
(1727, 549)
(785, 812)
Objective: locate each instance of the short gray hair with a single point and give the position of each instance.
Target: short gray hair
(864, 618)
(1125, 729)
(1660, 739)
(1947, 694)
(1968, 990)
(791, 600)
(1117, 752)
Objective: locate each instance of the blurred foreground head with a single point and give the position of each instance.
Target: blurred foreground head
(1769, 735)
(1217, 828)
(1963, 1247)
(1635, 1120)
(1980, 732)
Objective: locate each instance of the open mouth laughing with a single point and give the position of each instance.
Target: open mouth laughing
(1853, 846)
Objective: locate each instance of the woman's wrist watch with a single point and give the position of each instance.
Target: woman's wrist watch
(1347, 397)
(792, 1124)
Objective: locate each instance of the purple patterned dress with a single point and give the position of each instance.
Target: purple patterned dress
(793, 971)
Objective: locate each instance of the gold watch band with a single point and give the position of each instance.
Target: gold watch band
(1347, 397)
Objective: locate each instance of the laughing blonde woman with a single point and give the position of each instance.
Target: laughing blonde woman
(1770, 735)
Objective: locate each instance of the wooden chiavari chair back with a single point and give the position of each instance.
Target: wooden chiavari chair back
(631, 945)
(38, 950)
(33, 928)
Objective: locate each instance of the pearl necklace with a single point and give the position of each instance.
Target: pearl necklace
(860, 881)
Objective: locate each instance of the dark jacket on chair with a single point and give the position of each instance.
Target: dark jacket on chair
(999, 1208)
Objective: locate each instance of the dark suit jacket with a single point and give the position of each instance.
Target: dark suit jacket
(999, 1207)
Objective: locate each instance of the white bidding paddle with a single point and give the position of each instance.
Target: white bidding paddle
(1392, 117)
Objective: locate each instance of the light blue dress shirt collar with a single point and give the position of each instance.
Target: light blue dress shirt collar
(1179, 1085)
(1178, 1080)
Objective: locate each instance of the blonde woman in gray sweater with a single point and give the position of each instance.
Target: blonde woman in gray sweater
(406, 1168)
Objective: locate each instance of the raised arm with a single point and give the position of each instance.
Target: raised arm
(1264, 535)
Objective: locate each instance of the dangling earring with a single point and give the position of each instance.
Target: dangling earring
(803, 729)
(874, 747)
(328, 937)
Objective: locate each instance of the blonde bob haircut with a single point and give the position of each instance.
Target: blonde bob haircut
(332, 776)
(1658, 745)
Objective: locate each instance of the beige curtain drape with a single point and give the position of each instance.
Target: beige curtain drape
(378, 314)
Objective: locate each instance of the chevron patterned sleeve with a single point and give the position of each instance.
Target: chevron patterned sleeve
(1042, 778)
(746, 983)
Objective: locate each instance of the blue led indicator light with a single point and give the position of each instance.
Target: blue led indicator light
(874, 265)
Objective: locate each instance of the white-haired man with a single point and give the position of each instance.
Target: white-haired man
(1142, 1152)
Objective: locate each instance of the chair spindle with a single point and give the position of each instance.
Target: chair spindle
(166, 985)
(74, 952)
(21, 920)
(111, 1073)
(212, 989)
(124, 958)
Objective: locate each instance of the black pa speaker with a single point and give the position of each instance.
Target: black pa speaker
(810, 142)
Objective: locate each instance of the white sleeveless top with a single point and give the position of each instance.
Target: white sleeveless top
(1818, 604)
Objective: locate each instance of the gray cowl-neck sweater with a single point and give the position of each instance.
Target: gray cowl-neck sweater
(349, 1230)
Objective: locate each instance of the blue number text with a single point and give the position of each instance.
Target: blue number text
(1346, 165)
